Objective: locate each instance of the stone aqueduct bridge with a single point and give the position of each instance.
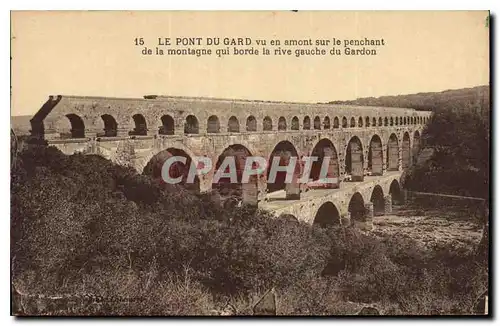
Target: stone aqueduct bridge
(360, 141)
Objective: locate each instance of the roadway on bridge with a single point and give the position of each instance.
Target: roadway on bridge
(276, 200)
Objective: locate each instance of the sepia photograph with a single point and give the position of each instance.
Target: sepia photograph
(250, 163)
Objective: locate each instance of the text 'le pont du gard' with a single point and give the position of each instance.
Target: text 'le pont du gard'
(193, 41)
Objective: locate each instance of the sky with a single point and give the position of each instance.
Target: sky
(94, 54)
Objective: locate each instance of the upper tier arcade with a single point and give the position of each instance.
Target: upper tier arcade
(63, 117)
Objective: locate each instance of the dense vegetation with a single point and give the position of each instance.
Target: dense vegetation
(84, 226)
(465, 100)
(459, 163)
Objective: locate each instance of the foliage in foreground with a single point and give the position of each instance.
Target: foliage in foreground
(84, 227)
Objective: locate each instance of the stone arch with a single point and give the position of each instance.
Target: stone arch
(325, 151)
(360, 122)
(307, 123)
(406, 153)
(374, 122)
(317, 123)
(357, 207)
(367, 121)
(354, 159)
(391, 121)
(380, 121)
(386, 121)
(336, 123)
(393, 153)
(377, 198)
(400, 121)
(295, 123)
(251, 123)
(110, 125)
(344, 122)
(416, 146)
(326, 123)
(395, 192)
(327, 215)
(167, 125)
(246, 192)
(282, 123)
(375, 156)
(213, 125)
(233, 124)
(267, 124)
(404, 121)
(284, 150)
(396, 121)
(191, 125)
(140, 125)
(353, 122)
(155, 164)
(77, 126)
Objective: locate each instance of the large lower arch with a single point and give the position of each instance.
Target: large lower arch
(327, 155)
(354, 159)
(357, 208)
(77, 126)
(375, 156)
(246, 192)
(377, 198)
(392, 153)
(406, 151)
(327, 215)
(284, 150)
(110, 125)
(140, 128)
(416, 146)
(177, 169)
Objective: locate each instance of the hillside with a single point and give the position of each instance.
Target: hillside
(21, 124)
(465, 99)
